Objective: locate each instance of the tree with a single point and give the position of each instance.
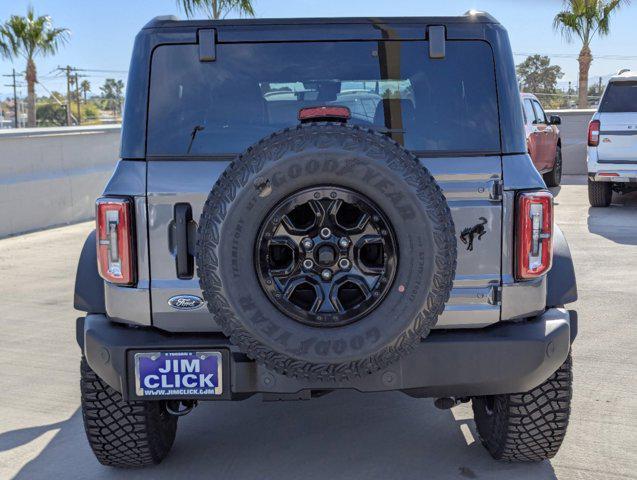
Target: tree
(217, 9)
(51, 115)
(537, 75)
(112, 92)
(584, 19)
(85, 87)
(29, 37)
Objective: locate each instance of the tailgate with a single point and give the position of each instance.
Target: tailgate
(470, 185)
(618, 123)
(618, 138)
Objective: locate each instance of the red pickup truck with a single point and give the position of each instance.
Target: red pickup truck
(543, 139)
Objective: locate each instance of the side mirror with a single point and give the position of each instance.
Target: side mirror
(555, 120)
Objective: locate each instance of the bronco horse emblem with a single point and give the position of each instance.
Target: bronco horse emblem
(468, 234)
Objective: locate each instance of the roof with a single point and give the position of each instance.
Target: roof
(471, 16)
(624, 76)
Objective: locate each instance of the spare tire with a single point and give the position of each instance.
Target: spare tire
(326, 251)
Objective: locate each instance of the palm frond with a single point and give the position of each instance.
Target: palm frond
(31, 35)
(8, 46)
(216, 8)
(585, 18)
(606, 10)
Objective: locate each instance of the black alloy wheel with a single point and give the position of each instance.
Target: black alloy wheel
(326, 256)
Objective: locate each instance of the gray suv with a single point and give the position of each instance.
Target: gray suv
(303, 206)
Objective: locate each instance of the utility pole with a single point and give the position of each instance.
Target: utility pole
(15, 97)
(77, 94)
(68, 96)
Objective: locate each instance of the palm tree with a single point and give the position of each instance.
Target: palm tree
(584, 19)
(217, 8)
(85, 87)
(29, 37)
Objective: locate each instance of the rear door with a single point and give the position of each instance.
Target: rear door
(533, 134)
(544, 135)
(550, 135)
(618, 119)
(202, 114)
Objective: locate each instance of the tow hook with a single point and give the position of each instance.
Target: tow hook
(446, 403)
(179, 408)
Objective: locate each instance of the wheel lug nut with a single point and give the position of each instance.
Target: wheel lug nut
(326, 274)
(308, 264)
(326, 233)
(344, 242)
(344, 263)
(307, 243)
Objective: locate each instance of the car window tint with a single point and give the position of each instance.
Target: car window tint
(620, 97)
(539, 112)
(529, 113)
(252, 90)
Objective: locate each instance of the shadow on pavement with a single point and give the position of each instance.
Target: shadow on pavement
(17, 438)
(618, 222)
(341, 436)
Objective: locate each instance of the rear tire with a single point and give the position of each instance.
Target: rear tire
(123, 434)
(554, 177)
(600, 194)
(529, 426)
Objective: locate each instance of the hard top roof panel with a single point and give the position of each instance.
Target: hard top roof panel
(470, 17)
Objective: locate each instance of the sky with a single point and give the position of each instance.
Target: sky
(102, 32)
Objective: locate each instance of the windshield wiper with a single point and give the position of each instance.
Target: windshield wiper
(193, 135)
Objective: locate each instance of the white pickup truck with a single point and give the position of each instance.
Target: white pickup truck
(612, 141)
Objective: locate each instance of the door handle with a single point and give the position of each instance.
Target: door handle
(184, 261)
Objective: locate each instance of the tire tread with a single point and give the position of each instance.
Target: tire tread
(600, 194)
(529, 426)
(123, 434)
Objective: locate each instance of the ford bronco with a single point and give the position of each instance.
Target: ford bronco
(303, 206)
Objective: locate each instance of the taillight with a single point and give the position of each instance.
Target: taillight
(534, 232)
(333, 113)
(593, 133)
(115, 240)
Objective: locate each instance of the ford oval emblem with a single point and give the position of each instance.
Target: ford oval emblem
(185, 302)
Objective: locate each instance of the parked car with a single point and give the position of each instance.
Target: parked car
(543, 139)
(279, 244)
(612, 141)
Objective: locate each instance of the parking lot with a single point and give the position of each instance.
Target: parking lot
(342, 435)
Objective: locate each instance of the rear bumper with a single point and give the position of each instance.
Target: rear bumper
(504, 358)
(622, 175)
(626, 170)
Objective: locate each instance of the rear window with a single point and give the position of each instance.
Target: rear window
(252, 90)
(620, 97)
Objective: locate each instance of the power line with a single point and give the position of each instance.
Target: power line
(15, 96)
(101, 71)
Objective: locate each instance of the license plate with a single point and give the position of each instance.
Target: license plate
(177, 374)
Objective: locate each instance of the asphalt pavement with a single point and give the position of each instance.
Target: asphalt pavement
(343, 435)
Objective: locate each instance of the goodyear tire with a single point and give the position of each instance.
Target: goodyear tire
(327, 161)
